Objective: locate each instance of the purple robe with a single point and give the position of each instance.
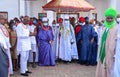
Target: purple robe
(46, 57)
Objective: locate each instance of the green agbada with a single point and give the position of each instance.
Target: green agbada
(113, 13)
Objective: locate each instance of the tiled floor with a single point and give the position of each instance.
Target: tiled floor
(61, 70)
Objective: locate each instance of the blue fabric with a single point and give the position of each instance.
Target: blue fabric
(3, 62)
(93, 54)
(46, 57)
(85, 35)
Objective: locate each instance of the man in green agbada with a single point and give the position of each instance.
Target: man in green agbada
(108, 44)
(111, 15)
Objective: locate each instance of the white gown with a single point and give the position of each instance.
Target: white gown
(74, 46)
(56, 41)
(117, 56)
(6, 39)
(65, 51)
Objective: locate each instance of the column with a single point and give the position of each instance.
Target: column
(113, 3)
(28, 8)
(22, 7)
(50, 15)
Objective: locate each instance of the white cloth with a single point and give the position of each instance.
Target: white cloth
(7, 46)
(55, 43)
(33, 48)
(23, 45)
(65, 52)
(31, 55)
(117, 56)
(32, 38)
(23, 39)
(2, 42)
(74, 46)
(23, 61)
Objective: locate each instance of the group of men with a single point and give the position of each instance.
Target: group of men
(63, 41)
(23, 43)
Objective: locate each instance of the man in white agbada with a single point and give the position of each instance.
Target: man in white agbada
(55, 29)
(117, 52)
(23, 45)
(4, 33)
(68, 48)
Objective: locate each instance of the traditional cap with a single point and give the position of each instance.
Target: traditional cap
(111, 12)
(60, 20)
(81, 19)
(1, 17)
(39, 22)
(86, 18)
(66, 16)
(44, 19)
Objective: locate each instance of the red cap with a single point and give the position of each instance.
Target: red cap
(81, 19)
(60, 20)
(39, 22)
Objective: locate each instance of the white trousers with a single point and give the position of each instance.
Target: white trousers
(23, 61)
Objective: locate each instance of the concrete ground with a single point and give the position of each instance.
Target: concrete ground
(61, 70)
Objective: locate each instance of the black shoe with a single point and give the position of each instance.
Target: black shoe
(24, 74)
(28, 72)
(87, 64)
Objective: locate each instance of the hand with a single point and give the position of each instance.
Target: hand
(72, 42)
(92, 40)
(12, 48)
(50, 42)
(38, 45)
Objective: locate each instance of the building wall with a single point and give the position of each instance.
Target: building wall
(36, 7)
(101, 6)
(11, 7)
(118, 6)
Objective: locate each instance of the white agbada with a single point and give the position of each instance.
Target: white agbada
(74, 46)
(23, 45)
(2, 42)
(4, 33)
(55, 44)
(67, 50)
(23, 41)
(65, 43)
(117, 56)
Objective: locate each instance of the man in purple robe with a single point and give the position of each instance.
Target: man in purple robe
(44, 39)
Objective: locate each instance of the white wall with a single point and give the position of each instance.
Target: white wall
(101, 6)
(118, 6)
(11, 6)
(36, 7)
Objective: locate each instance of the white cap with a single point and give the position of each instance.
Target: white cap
(66, 16)
(44, 19)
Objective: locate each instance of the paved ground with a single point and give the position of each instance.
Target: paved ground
(61, 70)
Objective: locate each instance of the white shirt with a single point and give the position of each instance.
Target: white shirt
(23, 41)
(32, 38)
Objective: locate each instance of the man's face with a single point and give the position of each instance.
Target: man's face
(109, 19)
(2, 21)
(26, 21)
